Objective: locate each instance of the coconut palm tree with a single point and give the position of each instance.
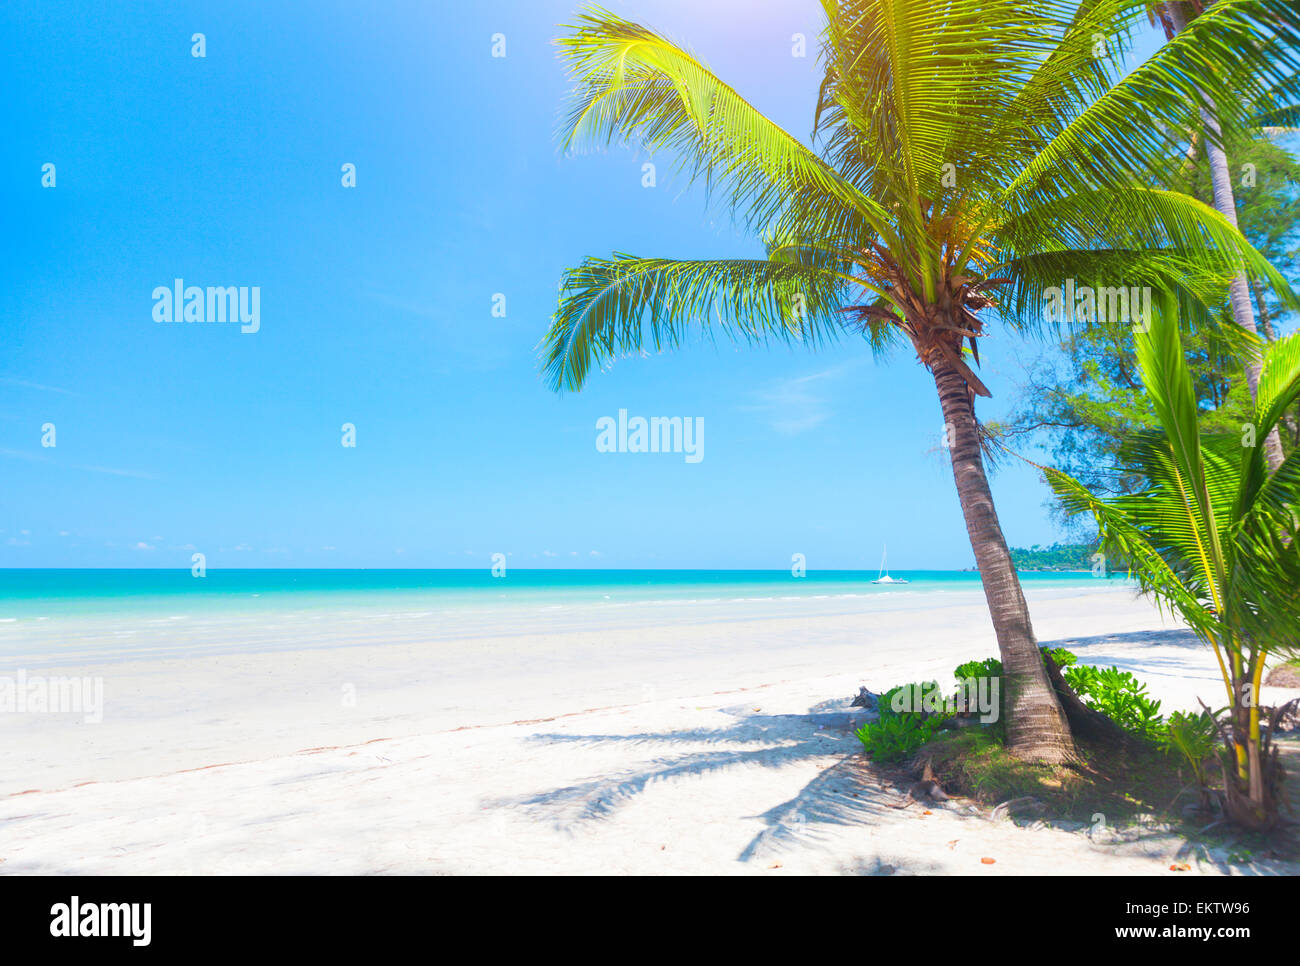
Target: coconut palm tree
(1212, 534)
(1175, 15)
(964, 151)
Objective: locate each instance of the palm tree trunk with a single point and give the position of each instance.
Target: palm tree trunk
(1036, 726)
(1225, 203)
(1265, 323)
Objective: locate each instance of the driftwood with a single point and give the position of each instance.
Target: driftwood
(866, 699)
(927, 789)
(1285, 718)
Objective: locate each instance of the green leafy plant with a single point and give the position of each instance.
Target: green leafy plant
(990, 667)
(1061, 657)
(1119, 696)
(904, 725)
(895, 737)
(1193, 736)
(1213, 535)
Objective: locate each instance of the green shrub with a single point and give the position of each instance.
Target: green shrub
(1061, 656)
(897, 736)
(990, 667)
(1119, 696)
(1195, 737)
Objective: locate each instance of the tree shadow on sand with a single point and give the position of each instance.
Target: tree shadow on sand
(845, 793)
(1177, 655)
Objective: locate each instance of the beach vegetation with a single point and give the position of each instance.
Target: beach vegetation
(1117, 781)
(1192, 736)
(897, 736)
(1212, 535)
(973, 670)
(1119, 696)
(1060, 656)
(946, 181)
(974, 761)
(1082, 399)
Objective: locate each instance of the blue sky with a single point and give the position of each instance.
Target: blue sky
(376, 309)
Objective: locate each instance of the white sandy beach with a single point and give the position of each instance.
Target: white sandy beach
(719, 746)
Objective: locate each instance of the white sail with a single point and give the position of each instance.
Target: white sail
(883, 577)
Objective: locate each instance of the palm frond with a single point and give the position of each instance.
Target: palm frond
(1279, 382)
(1137, 217)
(1227, 58)
(1122, 539)
(634, 84)
(613, 306)
(1169, 386)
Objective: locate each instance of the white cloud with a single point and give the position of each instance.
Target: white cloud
(36, 458)
(35, 385)
(797, 405)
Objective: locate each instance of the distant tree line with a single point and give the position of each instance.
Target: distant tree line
(1059, 556)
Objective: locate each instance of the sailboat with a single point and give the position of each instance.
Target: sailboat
(884, 577)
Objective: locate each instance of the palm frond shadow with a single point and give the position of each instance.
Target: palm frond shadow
(841, 794)
(1170, 658)
(1179, 637)
(1266, 866)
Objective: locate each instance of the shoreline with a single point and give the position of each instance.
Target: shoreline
(722, 748)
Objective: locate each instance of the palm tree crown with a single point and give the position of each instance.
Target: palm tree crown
(971, 155)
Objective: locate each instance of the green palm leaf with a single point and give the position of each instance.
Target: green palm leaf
(607, 305)
(633, 83)
(1279, 382)
(1234, 53)
(1124, 539)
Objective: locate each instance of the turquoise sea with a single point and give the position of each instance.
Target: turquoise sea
(29, 594)
(70, 616)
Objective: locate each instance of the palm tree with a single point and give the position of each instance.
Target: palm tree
(965, 148)
(1212, 535)
(1175, 18)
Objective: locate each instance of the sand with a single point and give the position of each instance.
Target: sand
(717, 747)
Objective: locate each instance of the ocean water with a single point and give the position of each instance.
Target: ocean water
(34, 594)
(69, 615)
